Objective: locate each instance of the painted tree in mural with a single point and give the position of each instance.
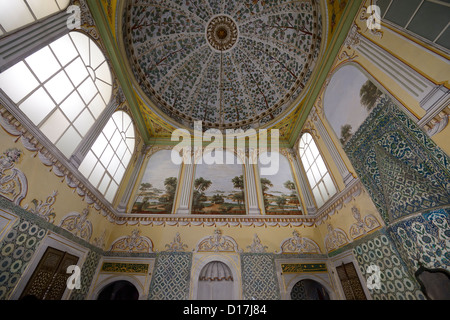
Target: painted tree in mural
(144, 190)
(265, 185)
(200, 185)
(169, 196)
(346, 133)
(293, 199)
(238, 183)
(281, 202)
(369, 95)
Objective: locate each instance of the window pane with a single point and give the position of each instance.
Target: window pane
(14, 14)
(87, 90)
(444, 39)
(430, 20)
(115, 162)
(104, 184)
(55, 126)
(64, 50)
(316, 171)
(72, 106)
(96, 175)
(111, 191)
(59, 87)
(88, 164)
(43, 63)
(401, 11)
(106, 156)
(329, 184)
(68, 142)
(84, 122)
(77, 71)
(99, 145)
(119, 173)
(318, 197)
(37, 106)
(18, 81)
(321, 165)
(97, 106)
(41, 8)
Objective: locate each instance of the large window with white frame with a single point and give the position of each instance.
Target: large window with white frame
(319, 178)
(15, 14)
(62, 88)
(105, 164)
(430, 19)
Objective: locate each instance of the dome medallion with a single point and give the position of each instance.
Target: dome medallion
(222, 33)
(230, 64)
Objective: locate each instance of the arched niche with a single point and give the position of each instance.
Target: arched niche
(215, 282)
(349, 98)
(219, 188)
(157, 188)
(118, 290)
(280, 192)
(308, 289)
(230, 260)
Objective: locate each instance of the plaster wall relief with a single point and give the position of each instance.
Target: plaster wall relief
(132, 243)
(78, 224)
(13, 182)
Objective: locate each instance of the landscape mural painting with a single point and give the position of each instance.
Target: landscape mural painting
(349, 98)
(157, 189)
(219, 189)
(279, 191)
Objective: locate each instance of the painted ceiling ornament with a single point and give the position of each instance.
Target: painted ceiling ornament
(229, 64)
(133, 243)
(361, 227)
(257, 246)
(222, 33)
(13, 182)
(78, 224)
(217, 243)
(335, 238)
(298, 244)
(176, 245)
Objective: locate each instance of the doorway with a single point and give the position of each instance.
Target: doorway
(49, 279)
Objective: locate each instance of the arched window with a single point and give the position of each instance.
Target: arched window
(319, 178)
(105, 164)
(62, 88)
(15, 14)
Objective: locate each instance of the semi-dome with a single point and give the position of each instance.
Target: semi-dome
(229, 64)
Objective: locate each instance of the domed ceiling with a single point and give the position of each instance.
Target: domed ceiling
(229, 64)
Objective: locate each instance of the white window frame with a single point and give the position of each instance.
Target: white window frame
(319, 176)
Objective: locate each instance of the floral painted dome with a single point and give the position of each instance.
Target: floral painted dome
(229, 64)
